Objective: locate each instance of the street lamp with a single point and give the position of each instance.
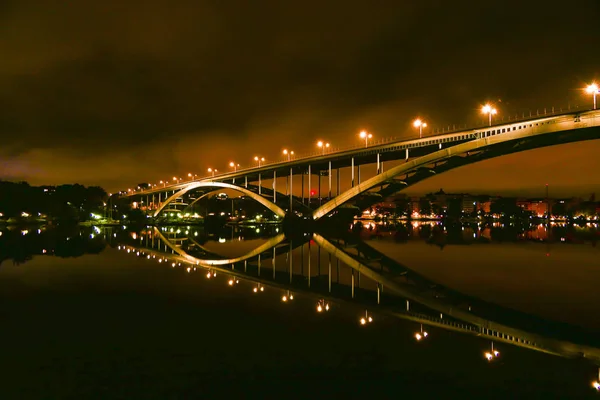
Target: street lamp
(323, 146)
(259, 160)
(163, 183)
(192, 176)
(420, 124)
(289, 154)
(366, 136)
(489, 110)
(593, 90)
(234, 166)
(176, 179)
(211, 170)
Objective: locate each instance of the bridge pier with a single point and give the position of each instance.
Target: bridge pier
(274, 187)
(329, 175)
(352, 169)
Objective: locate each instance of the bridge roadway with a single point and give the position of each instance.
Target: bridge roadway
(460, 320)
(408, 149)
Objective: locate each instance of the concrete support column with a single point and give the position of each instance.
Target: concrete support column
(358, 173)
(246, 181)
(329, 176)
(319, 175)
(309, 189)
(291, 183)
(378, 165)
(259, 184)
(302, 184)
(337, 179)
(274, 186)
(352, 167)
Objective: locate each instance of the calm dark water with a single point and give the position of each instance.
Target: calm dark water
(84, 316)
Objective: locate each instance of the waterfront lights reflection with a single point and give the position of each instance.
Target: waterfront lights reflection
(233, 281)
(258, 288)
(322, 305)
(596, 384)
(288, 296)
(421, 335)
(490, 355)
(366, 319)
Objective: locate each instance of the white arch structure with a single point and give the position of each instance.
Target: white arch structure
(269, 244)
(196, 185)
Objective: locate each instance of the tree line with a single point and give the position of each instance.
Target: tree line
(71, 201)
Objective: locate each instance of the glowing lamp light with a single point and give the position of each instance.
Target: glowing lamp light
(490, 111)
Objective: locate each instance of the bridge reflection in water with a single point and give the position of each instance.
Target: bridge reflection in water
(346, 271)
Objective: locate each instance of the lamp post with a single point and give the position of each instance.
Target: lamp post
(234, 166)
(289, 154)
(365, 135)
(176, 179)
(192, 176)
(489, 110)
(420, 124)
(211, 170)
(322, 146)
(593, 90)
(163, 183)
(259, 160)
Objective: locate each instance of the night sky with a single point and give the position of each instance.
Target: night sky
(114, 93)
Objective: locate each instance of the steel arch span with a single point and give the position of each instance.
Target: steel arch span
(254, 188)
(453, 157)
(222, 185)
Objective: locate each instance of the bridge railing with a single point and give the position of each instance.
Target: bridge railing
(521, 116)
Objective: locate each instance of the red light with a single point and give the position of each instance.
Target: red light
(313, 192)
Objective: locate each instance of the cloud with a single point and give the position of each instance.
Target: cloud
(194, 84)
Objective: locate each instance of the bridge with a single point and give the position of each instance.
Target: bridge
(360, 283)
(415, 160)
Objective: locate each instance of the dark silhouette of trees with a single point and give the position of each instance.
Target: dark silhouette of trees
(71, 202)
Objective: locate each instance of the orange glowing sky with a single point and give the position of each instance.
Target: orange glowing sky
(115, 94)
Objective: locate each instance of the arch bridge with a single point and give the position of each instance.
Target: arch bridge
(412, 161)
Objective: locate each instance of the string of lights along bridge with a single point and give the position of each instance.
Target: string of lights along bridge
(409, 161)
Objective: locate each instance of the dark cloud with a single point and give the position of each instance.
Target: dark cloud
(115, 93)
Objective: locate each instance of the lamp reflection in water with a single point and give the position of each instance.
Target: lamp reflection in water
(366, 319)
(490, 355)
(210, 274)
(322, 305)
(258, 288)
(596, 384)
(421, 335)
(233, 281)
(287, 296)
